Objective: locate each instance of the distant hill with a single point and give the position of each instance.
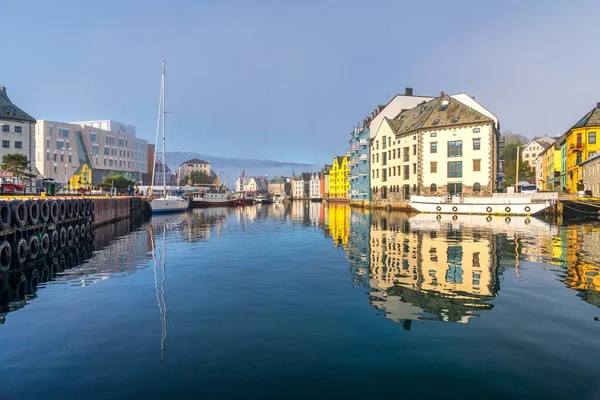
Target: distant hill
(232, 167)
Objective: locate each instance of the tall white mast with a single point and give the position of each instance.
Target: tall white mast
(158, 118)
(163, 127)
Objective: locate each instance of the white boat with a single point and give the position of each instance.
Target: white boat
(278, 197)
(166, 202)
(217, 197)
(497, 204)
(261, 199)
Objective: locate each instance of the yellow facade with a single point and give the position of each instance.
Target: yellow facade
(551, 165)
(580, 143)
(339, 185)
(82, 179)
(339, 223)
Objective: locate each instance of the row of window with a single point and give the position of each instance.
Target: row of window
(6, 128)
(455, 149)
(387, 141)
(6, 144)
(591, 138)
(455, 170)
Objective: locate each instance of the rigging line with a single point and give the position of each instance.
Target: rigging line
(152, 242)
(163, 297)
(160, 101)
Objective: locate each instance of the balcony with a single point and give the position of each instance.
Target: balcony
(354, 147)
(576, 147)
(362, 157)
(363, 142)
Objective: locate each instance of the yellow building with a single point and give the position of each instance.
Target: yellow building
(551, 167)
(339, 223)
(581, 141)
(339, 185)
(82, 178)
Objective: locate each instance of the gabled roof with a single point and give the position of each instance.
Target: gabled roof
(441, 112)
(590, 119)
(340, 159)
(195, 161)
(8, 110)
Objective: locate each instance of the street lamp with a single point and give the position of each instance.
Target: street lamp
(68, 165)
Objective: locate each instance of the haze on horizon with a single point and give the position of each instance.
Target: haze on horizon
(288, 81)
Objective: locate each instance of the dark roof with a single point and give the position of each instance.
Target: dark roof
(590, 119)
(8, 110)
(340, 159)
(441, 112)
(195, 161)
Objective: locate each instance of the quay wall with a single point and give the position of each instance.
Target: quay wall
(113, 209)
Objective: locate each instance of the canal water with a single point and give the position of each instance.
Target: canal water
(304, 300)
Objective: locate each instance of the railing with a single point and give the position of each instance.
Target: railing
(363, 142)
(362, 157)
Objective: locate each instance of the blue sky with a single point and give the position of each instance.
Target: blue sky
(288, 80)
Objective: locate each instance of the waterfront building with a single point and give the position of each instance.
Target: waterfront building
(280, 184)
(535, 148)
(339, 183)
(147, 177)
(445, 145)
(581, 141)
(108, 148)
(314, 190)
(170, 176)
(563, 162)
(551, 167)
(18, 129)
(252, 184)
(358, 161)
(326, 171)
(189, 166)
(591, 173)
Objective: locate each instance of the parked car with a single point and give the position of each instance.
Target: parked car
(528, 189)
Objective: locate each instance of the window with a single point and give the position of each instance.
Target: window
(377, 145)
(476, 165)
(120, 153)
(59, 144)
(55, 169)
(383, 144)
(122, 142)
(455, 148)
(18, 129)
(93, 137)
(433, 147)
(406, 154)
(55, 157)
(105, 162)
(454, 169)
(435, 121)
(414, 149)
(477, 144)
(70, 158)
(384, 158)
(433, 167)
(63, 133)
(455, 119)
(394, 154)
(476, 187)
(18, 145)
(592, 138)
(414, 168)
(5, 128)
(62, 158)
(434, 134)
(443, 107)
(6, 143)
(95, 149)
(406, 171)
(476, 130)
(47, 156)
(47, 143)
(106, 151)
(49, 131)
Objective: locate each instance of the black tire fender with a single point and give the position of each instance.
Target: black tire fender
(5, 215)
(19, 213)
(5, 256)
(34, 247)
(45, 244)
(44, 206)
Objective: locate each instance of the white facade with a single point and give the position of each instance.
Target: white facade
(252, 184)
(193, 165)
(534, 149)
(315, 186)
(17, 129)
(298, 187)
(60, 151)
(539, 173)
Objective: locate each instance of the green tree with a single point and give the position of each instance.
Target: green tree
(17, 164)
(198, 177)
(509, 153)
(117, 181)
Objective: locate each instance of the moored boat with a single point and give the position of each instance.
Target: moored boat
(217, 197)
(497, 204)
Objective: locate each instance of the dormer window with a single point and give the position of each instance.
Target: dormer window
(10, 110)
(455, 119)
(435, 122)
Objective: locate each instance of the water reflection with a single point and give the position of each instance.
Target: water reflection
(448, 268)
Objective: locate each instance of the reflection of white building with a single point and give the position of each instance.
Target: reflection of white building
(315, 186)
(252, 184)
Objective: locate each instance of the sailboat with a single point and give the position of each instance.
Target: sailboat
(167, 202)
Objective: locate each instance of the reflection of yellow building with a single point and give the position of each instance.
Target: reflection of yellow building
(581, 254)
(339, 223)
(82, 179)
(338, 180)
(447, 273)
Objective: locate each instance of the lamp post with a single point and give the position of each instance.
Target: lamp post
(68, 166)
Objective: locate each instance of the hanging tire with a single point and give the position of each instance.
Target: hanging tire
(455, 217)
(33, 212)
(44, 210)
(76, 233)
(507, 219)
(69, 205)
(488, 219)
(82, 207)
(54, 240)
(62, 210)
(527, 209)
(89, 230)
(75, 208)
(34, 247)
(54, 212)
(92, 207)
(45, 244)
(489, 209)
(63, 237)
(5, 215)
(439, 208)
(20, 251)
(19, 213)
(455, 209)
(527, 221)
(5, 256)
(438, 216)
(70, 235)
(82, 232)
(507, 209)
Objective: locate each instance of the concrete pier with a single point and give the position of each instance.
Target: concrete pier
(113, 209)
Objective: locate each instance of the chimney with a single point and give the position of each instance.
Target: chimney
(408, 91)
(3, 90)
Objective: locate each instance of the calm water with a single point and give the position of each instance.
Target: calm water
(309, 301)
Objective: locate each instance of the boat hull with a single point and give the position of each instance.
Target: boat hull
(483, 206)
(198, 203)
(163, 206)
